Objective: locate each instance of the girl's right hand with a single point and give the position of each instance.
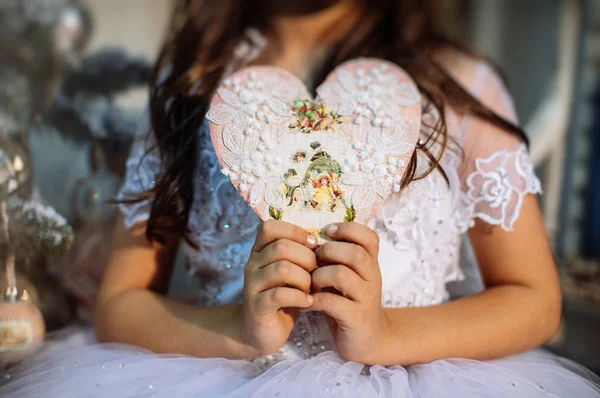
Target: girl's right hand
(276, 284)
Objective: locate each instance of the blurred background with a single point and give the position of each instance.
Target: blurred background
(73, 84)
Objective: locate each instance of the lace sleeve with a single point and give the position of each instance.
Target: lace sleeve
(143, 166)
(496, 172)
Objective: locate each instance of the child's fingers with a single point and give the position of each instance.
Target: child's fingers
(341, 278)
(282, 297)
(358, 234)
(280, 274)
(338, 307)
(287, 250)
(349, 254)
(273, 230)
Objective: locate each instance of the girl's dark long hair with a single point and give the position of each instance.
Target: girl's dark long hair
(200, 47)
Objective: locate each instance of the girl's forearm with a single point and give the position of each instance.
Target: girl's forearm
(497, 322)
(162, 325)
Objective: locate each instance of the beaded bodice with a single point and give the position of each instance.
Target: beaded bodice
(420, 228)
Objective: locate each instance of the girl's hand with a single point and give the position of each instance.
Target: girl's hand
(349, 265)
(276, 284)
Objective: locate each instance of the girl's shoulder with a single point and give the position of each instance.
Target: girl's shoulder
(480, 77)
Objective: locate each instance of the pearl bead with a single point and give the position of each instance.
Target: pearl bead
(367, 166)
(374, 104)
(378, 157)
(259, 170)
(247, 165)
(256, 157)
(250, 108)
(245, 96)
(380, 170)
(396, 187)
(362, 98)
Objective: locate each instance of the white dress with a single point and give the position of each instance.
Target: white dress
(423, 248)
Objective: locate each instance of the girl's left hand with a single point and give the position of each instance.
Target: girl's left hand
(348, 264)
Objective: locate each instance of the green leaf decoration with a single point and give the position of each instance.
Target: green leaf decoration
(315, 144)
(350, 214)
(290, 173)
(275, 213)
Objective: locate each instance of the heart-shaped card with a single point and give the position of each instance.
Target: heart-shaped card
(312, 162)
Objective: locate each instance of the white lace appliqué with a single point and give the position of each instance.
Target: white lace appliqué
(376, 169)
(251, 108)
(496, 188)
(371, 94)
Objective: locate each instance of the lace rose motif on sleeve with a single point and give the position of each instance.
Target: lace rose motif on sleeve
(495, 190)
(142, 170)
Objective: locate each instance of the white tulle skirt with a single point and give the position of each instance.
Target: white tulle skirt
(76, 367)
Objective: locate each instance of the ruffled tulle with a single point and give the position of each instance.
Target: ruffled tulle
(75, 368)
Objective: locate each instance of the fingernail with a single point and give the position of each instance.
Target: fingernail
(331, 229)
(311, 240)
(310, 299)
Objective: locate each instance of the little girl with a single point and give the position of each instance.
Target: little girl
(368, 312)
